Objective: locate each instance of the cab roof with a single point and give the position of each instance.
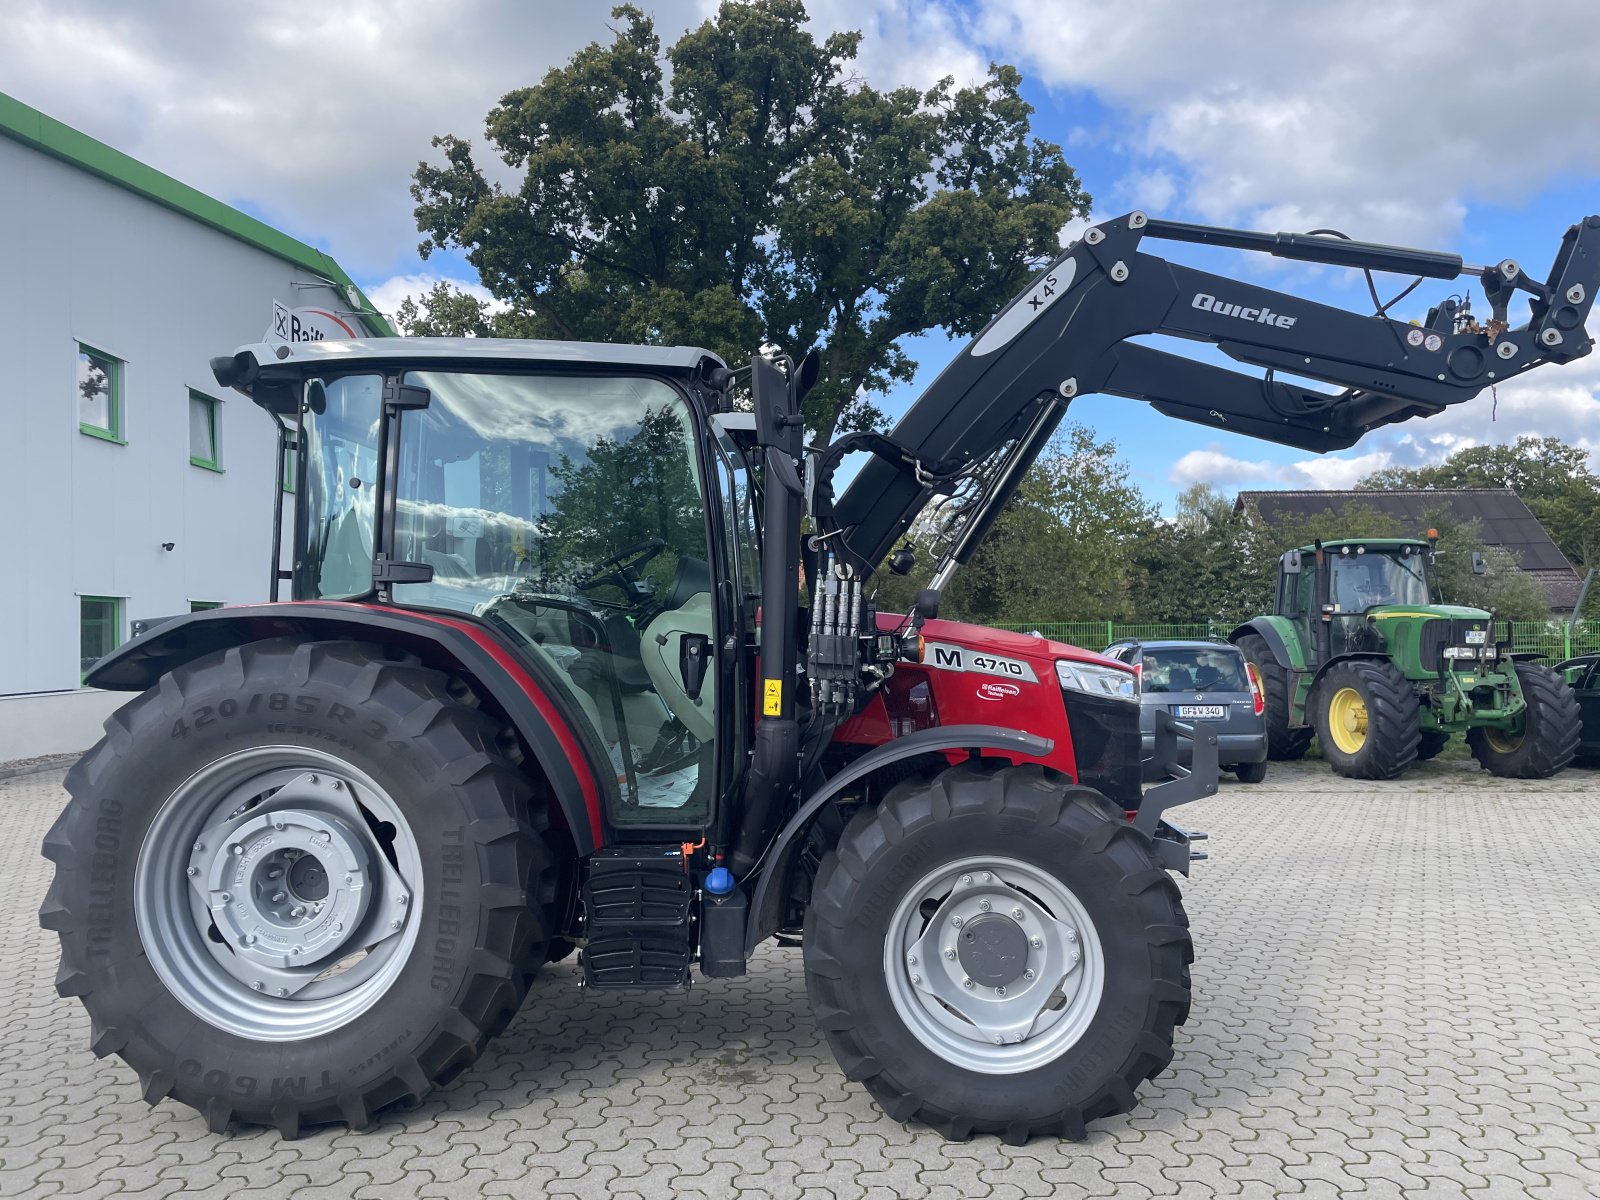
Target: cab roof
(479, 350)
(1370, 543)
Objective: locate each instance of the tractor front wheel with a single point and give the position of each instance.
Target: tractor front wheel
(1285, 742)
(296, 883)
(1366, 719)
(996, 951)
(1548, 739)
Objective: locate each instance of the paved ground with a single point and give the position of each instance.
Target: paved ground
(1398, 994)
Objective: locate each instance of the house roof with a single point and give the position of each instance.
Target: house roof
(34, 129)
(1503, 518)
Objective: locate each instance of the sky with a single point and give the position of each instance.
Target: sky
(1461, 127)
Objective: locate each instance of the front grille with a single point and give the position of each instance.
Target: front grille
(1105, 743)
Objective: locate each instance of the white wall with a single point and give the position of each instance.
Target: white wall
(88, 261)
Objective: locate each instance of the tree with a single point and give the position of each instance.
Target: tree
(1059, 548)
(1553, 479)
(760, 193)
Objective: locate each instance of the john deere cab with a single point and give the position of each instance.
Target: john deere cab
(1359, 654)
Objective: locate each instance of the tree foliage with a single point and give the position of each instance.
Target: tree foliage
(759, 191)
(1553, 478)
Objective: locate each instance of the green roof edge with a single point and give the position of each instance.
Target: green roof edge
(49, 136)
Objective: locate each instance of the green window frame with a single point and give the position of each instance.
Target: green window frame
(205, 431)
(109, 369)
(290, 461)
(204, 605)
(99, 630)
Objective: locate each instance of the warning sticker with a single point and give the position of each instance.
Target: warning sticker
(771, 697)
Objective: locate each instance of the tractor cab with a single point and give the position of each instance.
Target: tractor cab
(1342, 596)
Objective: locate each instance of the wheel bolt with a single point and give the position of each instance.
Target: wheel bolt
(349, 878)
(394, 924)
(999, 1040)
(299, 910)
(199, 846)
(956, 921)
(983, 904)
(299, 949)
(966, 879)
(1036, 942)
(1028, 974)
(968, 984)
(402, 898)
(312, 779)
(249, 939)
(236, 849)
(278, 825)
(916, 979)
(912, 959)
(279, 897)
(1000, 991)
(227, 897)
(283, 991)
(193, 871)
(987, 877)
(1072, 935)
(950, 952)
(260, 987)
(337, 786)
(1074, 956)
(1016, 914)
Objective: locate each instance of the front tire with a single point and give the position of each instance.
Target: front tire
(1254, 772)
(1366, 718)
(297, 883)
(1551, 729)
(996, 951)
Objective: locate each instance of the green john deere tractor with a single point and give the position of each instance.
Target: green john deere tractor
(1358, 654)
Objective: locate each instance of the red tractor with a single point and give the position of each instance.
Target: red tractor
(550, 680)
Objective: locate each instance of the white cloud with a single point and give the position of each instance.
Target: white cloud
(1229, 474)
(1293, 115)
(387, 296)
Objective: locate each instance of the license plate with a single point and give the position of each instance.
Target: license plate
(1202, 711)
(1477, 637)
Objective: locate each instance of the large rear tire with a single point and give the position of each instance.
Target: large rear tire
(996, 951)
(1366, 718)
(1550, 732)
(1285, 743)
(297, 883)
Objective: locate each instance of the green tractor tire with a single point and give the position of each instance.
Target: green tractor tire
(1366, 719)
(1548, 739)
(1284, 741)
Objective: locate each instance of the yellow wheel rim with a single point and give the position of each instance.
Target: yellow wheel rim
(1347, 720)
(1500, 741)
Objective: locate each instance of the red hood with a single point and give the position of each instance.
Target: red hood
(1000, 641)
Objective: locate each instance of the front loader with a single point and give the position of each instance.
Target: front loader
(547, 681)
(1359, 653)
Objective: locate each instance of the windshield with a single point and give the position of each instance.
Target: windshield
(1193, 670)
(1362, 581)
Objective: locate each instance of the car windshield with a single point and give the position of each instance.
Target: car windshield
(1196, 669)
(1362, 581)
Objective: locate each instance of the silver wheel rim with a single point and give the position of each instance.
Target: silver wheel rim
(973, 1001)
(275, 893)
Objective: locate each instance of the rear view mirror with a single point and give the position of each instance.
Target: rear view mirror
(1291, 563)
(1479, 566)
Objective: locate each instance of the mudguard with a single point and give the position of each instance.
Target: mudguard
(1281, 637)
(766, 904)
(448, 641)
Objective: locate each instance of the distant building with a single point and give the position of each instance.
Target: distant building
(1503, 519)
(132, 485)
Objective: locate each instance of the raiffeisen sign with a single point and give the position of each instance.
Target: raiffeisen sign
(308, 325)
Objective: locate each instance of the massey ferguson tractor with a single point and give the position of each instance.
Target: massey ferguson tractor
(1358, 653)
(582, 654)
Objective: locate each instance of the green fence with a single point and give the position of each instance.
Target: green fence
(1551, 638)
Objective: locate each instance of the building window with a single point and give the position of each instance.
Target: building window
(204, 605)
(99, 394)
(99, 629)
(205, 442)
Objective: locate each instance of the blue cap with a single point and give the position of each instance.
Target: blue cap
(719, 882)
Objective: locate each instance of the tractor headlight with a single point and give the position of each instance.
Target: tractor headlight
(1112, 683)
(1473, 652)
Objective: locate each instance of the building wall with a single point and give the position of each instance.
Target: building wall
(87, 261)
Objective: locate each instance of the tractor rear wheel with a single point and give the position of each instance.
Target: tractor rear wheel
(1548, 739)
(297, 883)
(996, 951)
(1284, 742)
(1366, 719)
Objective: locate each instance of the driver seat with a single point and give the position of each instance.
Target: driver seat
(622, 642)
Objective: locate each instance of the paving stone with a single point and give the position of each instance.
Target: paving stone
(1394, 998)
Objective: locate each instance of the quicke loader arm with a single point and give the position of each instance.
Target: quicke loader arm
(1068, 334)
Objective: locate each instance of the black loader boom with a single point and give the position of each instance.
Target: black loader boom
(1070, 334)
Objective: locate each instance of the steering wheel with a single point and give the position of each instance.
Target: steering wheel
(622, 568)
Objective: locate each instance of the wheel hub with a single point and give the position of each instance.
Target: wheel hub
(993, 950)
(286, 888)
